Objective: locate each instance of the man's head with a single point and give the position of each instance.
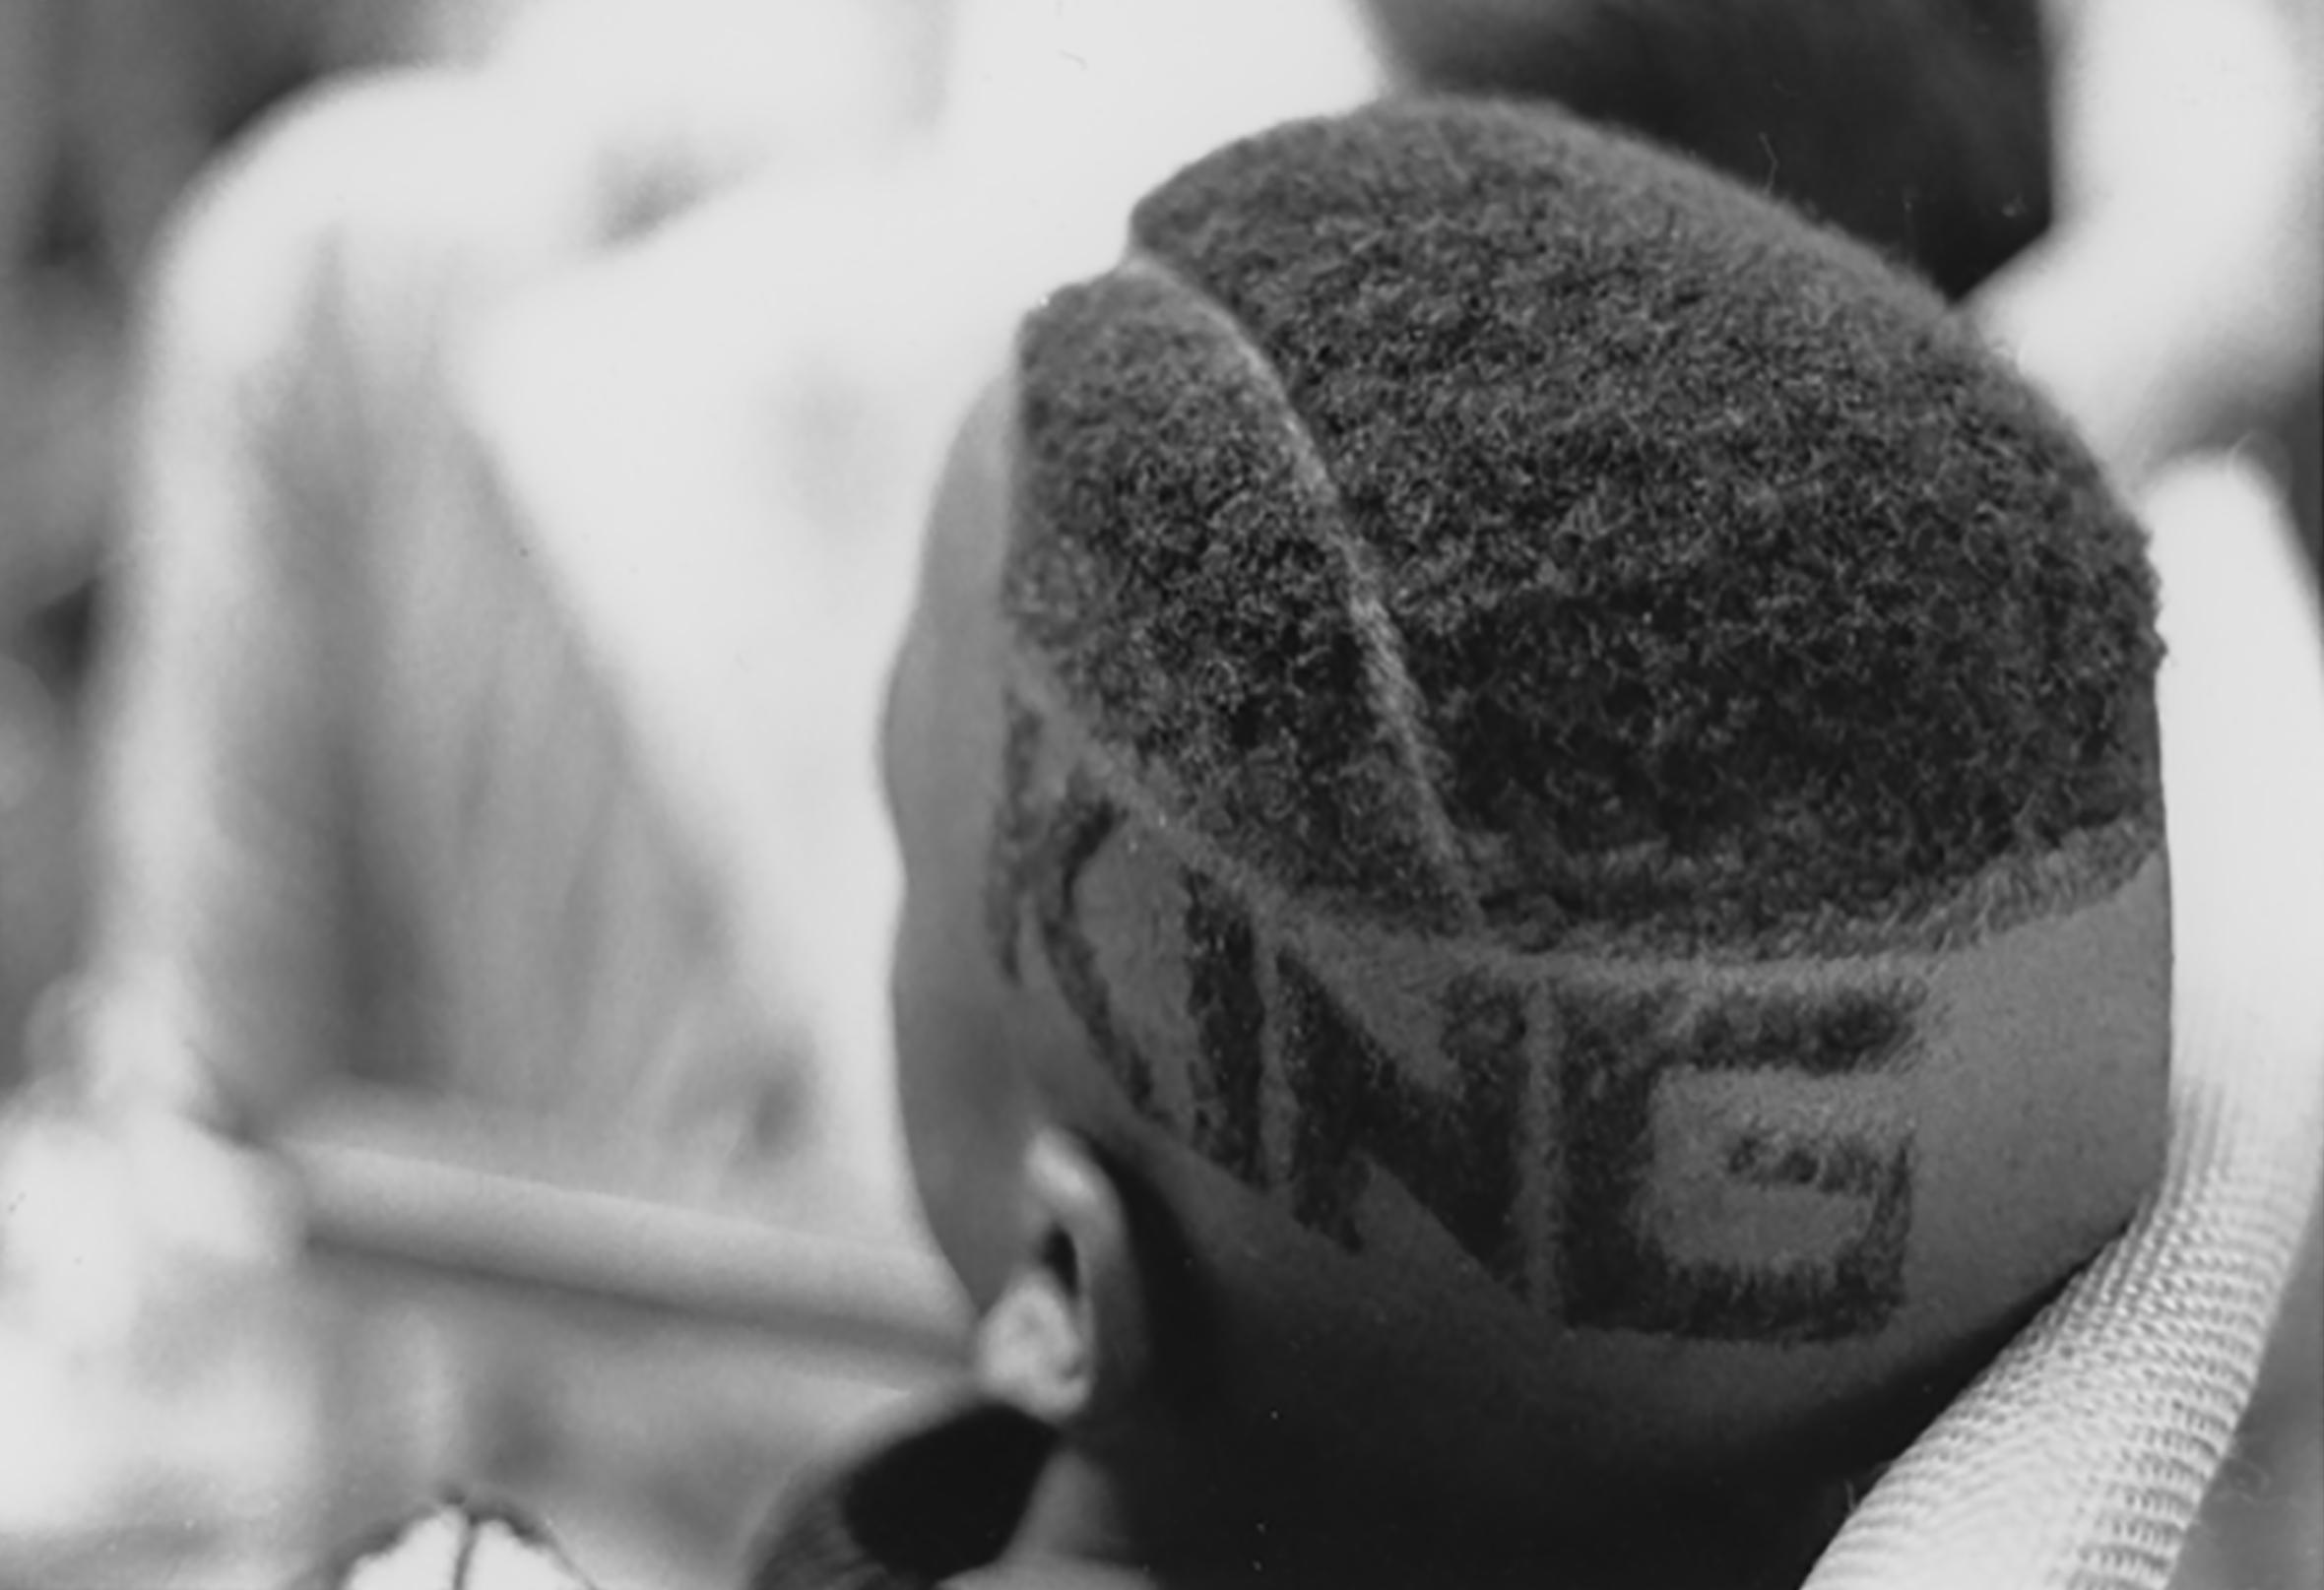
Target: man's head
(1533, 838)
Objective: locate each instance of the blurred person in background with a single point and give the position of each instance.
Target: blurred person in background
(255, 934)
(108, 110)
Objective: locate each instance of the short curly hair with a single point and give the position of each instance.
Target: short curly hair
(1463, 515)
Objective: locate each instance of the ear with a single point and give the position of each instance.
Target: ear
(1070, 1338)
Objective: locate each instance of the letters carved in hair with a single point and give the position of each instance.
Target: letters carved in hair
(1550, 1084)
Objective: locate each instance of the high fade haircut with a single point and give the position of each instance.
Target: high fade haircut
(1536, 741)
(1463, 518)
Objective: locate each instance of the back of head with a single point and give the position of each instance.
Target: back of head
(1558, 775)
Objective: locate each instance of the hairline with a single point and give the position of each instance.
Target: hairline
(2016, 888)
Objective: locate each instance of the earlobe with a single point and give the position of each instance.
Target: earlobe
(1068, 1338)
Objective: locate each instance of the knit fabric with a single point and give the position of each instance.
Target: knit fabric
(2079, 1460)
(329, 844)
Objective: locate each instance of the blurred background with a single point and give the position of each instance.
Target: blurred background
(459, 464)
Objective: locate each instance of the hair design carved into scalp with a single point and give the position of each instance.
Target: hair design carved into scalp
(1491, 1090)
(1461, 517)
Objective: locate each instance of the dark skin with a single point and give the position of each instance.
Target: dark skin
(1205, 1414)
(1147, 1489)
(1288, 1319)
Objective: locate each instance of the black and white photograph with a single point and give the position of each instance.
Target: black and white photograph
(1161, 795)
